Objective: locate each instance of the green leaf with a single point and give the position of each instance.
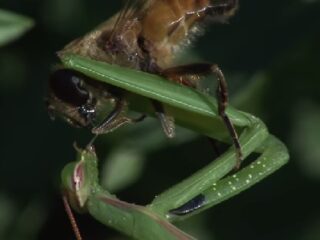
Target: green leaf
(12, 26)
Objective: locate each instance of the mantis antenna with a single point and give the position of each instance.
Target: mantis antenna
(71, 217)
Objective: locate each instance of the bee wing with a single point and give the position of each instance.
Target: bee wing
(132, 9)
(88, 45)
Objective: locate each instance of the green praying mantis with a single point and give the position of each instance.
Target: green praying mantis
(204, 189)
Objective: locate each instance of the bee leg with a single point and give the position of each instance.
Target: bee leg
(221, 10)
(167, 121)
(190, 74)
(50, 110)
(115, 120)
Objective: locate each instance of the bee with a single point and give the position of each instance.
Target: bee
(145, 35)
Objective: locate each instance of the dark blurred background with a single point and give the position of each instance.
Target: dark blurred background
(270, 53)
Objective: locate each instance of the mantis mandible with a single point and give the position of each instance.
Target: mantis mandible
(204, 189)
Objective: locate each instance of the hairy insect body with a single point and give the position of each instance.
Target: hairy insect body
(149, 38)
(145, 35)
(177, 22)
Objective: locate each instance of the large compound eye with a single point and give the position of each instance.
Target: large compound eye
(67, 86)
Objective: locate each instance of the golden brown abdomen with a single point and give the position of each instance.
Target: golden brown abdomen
(167, 23)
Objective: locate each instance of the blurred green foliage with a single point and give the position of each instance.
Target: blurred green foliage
(270, 53)
(12, 26)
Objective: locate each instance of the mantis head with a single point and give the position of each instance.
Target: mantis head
(79, 178)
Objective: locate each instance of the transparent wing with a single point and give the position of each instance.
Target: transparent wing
(132, 9)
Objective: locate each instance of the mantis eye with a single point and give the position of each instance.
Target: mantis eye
(67, 85)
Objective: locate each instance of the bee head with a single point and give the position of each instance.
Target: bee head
(70, 99)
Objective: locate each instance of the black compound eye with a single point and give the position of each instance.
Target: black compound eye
(67, 86)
